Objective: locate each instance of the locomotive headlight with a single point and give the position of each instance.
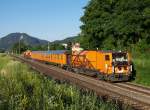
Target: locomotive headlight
(113, 69)
(109, 68)
(119, 68)
(125, 68)
(131, 68)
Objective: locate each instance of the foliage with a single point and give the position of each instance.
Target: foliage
(2, 50)
(142, 64)
(56, 46)
(52, 46)
(20, 46)
(24, 89)
(116, 24)
(67, 40)
(39, 47)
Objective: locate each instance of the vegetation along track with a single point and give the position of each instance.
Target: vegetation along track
(138, 97)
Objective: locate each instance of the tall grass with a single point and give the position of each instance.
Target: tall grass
(3, 60)
(23, 89)
(142, 67)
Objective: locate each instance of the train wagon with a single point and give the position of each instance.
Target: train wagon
(55, 57)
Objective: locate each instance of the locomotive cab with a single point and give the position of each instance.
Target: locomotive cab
(118, 66)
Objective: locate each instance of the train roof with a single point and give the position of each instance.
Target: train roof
(105, 51)
(51, 52)
(111, 51)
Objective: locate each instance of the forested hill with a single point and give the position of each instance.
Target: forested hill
(8, 41)
(67, 40)
(111, 24)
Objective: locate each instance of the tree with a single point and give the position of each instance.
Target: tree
(2, 50)
(115, 24)
(39, 48)
(23, 47)
(56, 46)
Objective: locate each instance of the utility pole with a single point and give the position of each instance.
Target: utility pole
(48, 46)
(19, 46)
(21, 37)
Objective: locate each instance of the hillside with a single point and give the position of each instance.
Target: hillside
(66, 40)
(8, 41)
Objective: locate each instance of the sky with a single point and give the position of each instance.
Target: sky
(46, 19)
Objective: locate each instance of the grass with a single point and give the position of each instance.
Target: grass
(23, 89)
(3, 60)
(142, 67)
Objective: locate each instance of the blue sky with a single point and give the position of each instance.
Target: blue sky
(45, 19)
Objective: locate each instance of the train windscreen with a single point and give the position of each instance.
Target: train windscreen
(120, 57)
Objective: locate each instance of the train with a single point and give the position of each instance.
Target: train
(105, 65)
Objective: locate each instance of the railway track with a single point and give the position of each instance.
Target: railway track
(134, 95)
(135, 88)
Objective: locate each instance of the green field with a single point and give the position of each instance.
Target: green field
(24, 89)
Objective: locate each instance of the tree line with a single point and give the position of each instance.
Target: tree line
(23, 47)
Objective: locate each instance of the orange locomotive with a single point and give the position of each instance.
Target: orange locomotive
(107, 65)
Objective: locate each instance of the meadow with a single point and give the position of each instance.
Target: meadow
(24, 89)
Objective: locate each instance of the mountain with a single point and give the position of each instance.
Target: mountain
(67, 40)
(8, 41)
